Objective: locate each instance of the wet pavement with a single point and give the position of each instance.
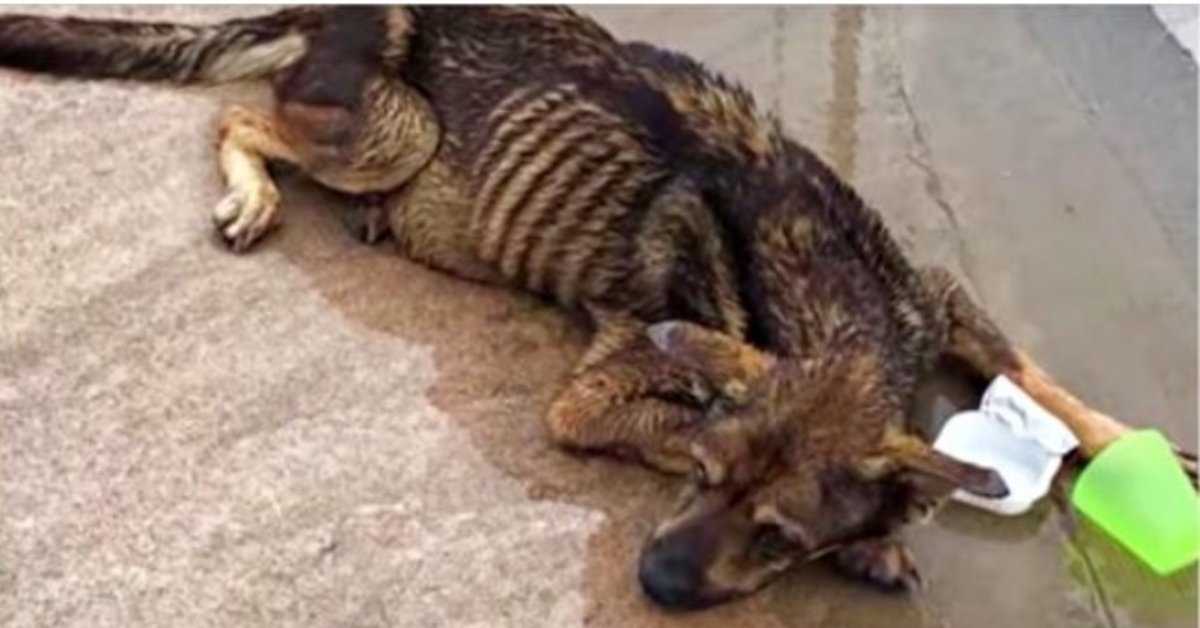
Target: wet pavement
(322, 434)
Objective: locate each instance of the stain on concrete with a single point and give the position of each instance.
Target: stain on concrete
(779, 26)
(500, 406)
(842, 139)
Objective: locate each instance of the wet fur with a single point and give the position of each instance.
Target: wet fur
(527, 146)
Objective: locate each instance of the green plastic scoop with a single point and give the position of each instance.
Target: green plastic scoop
(1135, 490)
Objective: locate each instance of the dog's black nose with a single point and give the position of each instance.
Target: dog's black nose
(670, 580)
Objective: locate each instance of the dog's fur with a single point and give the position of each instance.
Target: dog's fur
(756, 326)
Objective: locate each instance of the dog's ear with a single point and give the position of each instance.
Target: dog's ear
(929, 468)
(731, 365)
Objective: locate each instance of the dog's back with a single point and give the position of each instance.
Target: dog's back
(628, 178)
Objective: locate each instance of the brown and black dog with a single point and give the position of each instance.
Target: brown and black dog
(756, 326)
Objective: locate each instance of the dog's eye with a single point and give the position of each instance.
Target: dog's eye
(770, 542)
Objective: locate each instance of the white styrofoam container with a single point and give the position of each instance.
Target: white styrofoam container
(1011, 434)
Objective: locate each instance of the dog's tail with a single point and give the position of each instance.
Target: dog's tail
(228, 51)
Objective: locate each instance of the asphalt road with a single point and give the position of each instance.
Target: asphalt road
(321, 434)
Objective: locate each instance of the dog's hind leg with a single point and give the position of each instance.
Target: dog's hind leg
(633, 405)
(973, 337)
(375, 150)
(248, 139)
(342, 116)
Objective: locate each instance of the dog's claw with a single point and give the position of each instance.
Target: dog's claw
(885, 563)
(243, 218)
(368, 222)
(226, 210)
(376, 227)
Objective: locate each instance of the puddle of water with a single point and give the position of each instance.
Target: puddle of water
(1133, 595)
(500, 358)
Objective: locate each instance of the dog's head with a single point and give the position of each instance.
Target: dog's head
(799, 459)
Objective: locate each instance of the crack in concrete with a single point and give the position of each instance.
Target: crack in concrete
(1101, 597)
(922, 157)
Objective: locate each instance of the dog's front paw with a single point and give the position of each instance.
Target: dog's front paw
(884, 562)
(245, 215)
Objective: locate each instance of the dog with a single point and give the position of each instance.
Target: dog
(756, 328)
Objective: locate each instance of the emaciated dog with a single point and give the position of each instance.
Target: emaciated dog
(756, 327)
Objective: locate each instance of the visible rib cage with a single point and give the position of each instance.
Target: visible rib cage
(556, 174)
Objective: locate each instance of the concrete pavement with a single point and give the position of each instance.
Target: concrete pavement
(321, 434)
